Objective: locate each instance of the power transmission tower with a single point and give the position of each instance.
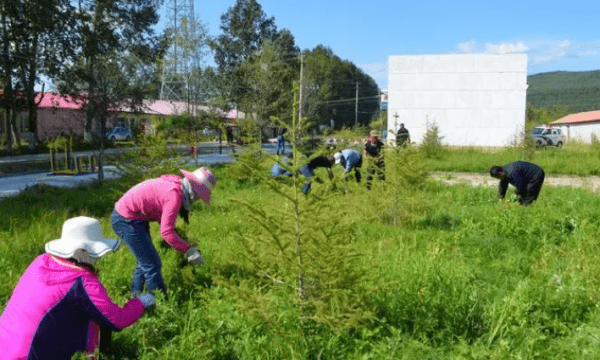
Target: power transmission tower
(182, 61)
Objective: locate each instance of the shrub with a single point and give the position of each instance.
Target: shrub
(431, 146)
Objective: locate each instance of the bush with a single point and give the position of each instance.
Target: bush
(431, 146)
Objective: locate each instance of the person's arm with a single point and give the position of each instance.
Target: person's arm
(95, 302)
(502, 188)
(167, 223)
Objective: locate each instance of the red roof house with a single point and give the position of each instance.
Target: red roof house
(64, 115)
(581, 126)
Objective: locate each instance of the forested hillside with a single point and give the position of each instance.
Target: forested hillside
(579, 91)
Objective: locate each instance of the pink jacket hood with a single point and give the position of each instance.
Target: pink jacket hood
(53, 273)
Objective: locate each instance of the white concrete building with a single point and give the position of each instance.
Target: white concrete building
(474, 99)
(581, 126)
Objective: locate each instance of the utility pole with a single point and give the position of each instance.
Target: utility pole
(356, 108)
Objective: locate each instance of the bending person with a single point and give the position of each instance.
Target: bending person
(59, 303)
(308, 170)
(159, 200)
(526, 177)
(350, 159)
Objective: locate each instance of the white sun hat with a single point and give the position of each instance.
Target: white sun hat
(338, 157)
(82, 233)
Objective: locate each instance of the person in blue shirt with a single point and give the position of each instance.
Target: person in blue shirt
(526, 177)
(281, 141)
(350, 159)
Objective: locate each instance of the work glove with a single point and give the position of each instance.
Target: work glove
(194, 256)
(147, 299)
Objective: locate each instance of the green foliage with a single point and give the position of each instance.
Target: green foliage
(430, 145)
(574, 91)
(351, 133)
(379, 121)
(456, 276)
(539, 116)
(572, 159)
(301, 258)
(400, 196)
(329, 90)
(151, 158)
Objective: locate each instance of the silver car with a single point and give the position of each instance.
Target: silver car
(119, 133)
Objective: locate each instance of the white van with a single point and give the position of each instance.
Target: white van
(548, 136)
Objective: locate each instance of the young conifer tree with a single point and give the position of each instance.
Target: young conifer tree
(399, 199)
(302, 255)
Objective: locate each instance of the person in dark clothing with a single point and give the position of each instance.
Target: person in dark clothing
(526, 177)
(373, 150)
(281, 141)
(402, 136)
(229, 134)
(308, 170)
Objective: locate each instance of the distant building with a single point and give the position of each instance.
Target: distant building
(64, 115)
(581, 127)
(474, 99)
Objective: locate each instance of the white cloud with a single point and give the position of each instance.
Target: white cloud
(587, 53)
(539, 52)
(467, 47)
(506, 48)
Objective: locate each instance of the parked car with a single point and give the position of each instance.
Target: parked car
(548, 136)
(119, 133)
(210, 132)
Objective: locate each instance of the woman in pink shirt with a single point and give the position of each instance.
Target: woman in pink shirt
(59, 303)
(160, 200)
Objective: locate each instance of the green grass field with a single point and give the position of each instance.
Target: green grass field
(573, 159)
(439, 272)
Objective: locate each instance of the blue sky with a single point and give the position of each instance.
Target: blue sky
(555, 37)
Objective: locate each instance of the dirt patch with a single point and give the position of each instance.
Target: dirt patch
(592, 183)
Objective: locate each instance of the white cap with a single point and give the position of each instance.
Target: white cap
(338, 157)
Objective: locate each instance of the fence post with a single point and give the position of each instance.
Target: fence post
(78, 163)
(92, 162)
(51, 160)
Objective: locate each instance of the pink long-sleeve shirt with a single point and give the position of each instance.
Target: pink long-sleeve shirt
(55, 310)
(156, 200)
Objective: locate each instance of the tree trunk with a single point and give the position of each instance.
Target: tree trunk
(30, 91)
(8, 94)
(14, 130)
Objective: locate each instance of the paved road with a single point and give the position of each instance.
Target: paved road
(13, 184)
(45, 157)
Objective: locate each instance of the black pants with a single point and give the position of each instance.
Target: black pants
(532, 191)
(377, 169)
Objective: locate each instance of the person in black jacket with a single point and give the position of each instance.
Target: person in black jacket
(526, 177)
(402, 136)
(373, 151)
(308, 170)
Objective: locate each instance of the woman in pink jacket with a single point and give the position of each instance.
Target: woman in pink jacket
(160, 200)
(59, 303)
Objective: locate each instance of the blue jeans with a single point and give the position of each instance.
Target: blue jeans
(280, 145)
(308, 173)
(136, 234)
